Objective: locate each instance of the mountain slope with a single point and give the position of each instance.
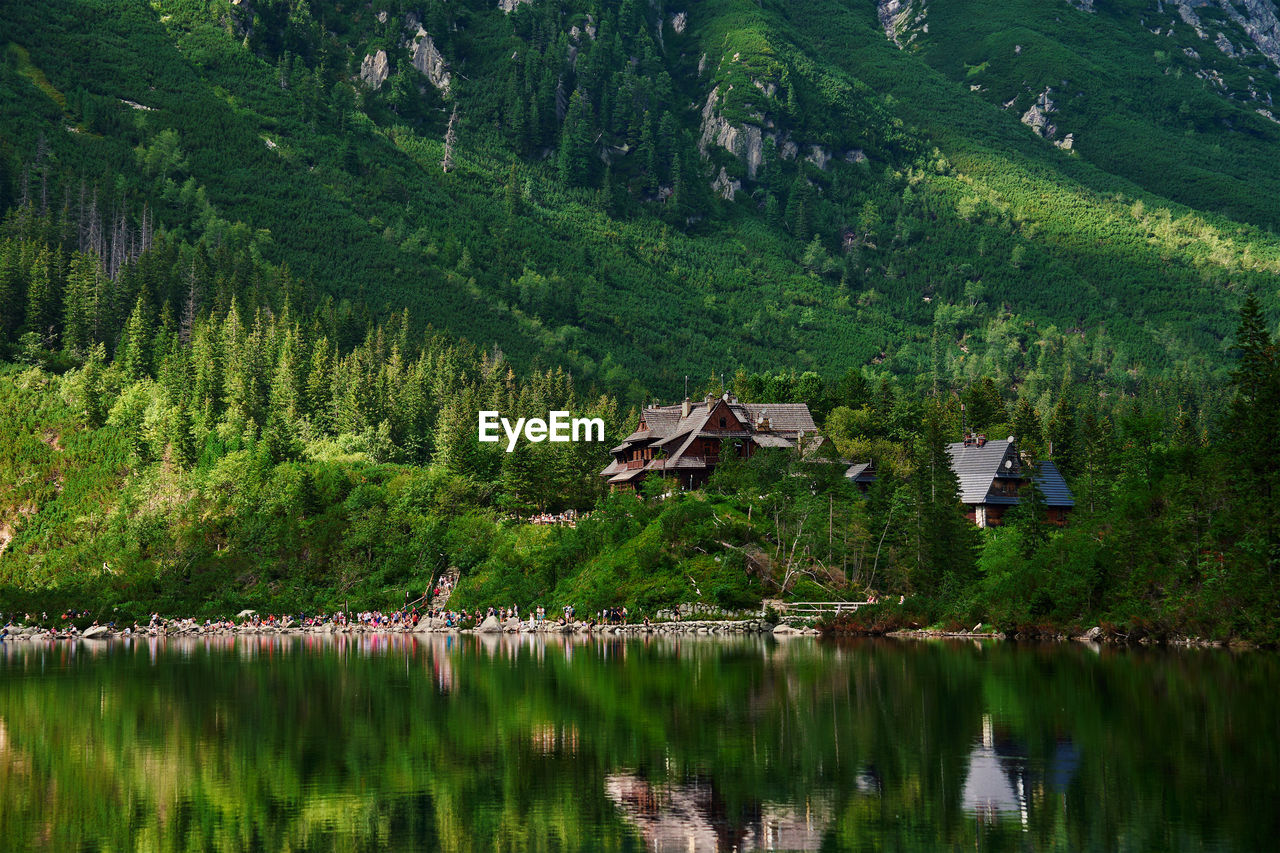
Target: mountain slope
(645, 191)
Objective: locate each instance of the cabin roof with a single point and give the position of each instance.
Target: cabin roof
(977, 465)
(1052, 485)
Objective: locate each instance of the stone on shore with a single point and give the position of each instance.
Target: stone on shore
(490, 625)
(93, 631)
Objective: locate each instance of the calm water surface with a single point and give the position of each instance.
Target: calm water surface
(529, 743)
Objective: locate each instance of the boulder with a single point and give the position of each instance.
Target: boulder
(99, 631)
(375, 69)
(490, 625)
(426, 57)
(1094, 633)
(784, 629)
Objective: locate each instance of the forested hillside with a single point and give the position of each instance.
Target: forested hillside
(262, 261)
(643, 191)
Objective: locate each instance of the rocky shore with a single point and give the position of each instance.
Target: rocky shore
(427, 625)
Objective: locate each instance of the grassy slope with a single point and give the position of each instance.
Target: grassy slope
(1079, 217)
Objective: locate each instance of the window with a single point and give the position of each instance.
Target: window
(723, 423)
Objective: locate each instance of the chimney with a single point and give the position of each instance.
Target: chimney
(684, 408)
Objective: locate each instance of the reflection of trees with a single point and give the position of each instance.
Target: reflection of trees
(549, 743)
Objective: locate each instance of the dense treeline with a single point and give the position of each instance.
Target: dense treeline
(208, 458)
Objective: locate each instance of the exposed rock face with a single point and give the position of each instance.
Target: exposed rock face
(746, 142)
(1037, 117)
(374, 70)
(1186, 11)
(509, 6)
(679, 21)
(818, 156)
(1082, 5)
(1259, 20)
(724, 187)
(902, 20)
(427, 59)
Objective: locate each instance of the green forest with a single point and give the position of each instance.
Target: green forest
(262, 263)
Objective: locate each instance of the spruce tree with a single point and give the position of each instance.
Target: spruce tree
(946, 541)
(42, 298)
(12, 290)
(180, 435)
(576, 142)
(1253, 424)
(1061, 435)
(92, 393)
(134, 355)
(1027, 430)
(78, 304)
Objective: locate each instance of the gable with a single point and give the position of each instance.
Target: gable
(723, 418)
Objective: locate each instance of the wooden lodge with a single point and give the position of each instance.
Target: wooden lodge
(993, 473)
(686, 441)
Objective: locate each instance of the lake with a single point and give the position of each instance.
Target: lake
(471, 743)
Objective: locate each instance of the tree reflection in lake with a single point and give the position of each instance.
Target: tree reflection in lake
(549, 743)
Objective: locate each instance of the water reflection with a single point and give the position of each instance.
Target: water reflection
(468, 743)
(691, 817)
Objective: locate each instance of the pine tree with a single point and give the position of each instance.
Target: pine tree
(180, 436)
(984, 407)
(206, 361)
(13, 289)
(1253, 422)
(1061, 434)
(946, 541)
(92, 394)
(1026, 428)
(798, 204)
(278, 443)
(134, 356)
(647, 152)
(78, 317)
(319, 384)
(42, 298)
(576, 143)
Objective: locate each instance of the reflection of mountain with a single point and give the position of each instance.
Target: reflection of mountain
(690, 818)
(1000, 777)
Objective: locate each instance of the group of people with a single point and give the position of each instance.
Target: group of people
(443, 588)
(407, 617)
(569, 517)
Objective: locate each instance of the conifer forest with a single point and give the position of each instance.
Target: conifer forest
(263, 262)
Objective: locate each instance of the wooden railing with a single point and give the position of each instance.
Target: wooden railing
(800, 608)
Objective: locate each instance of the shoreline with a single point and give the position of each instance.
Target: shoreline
(1099, 638)
(427, 626)
(700, 627)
